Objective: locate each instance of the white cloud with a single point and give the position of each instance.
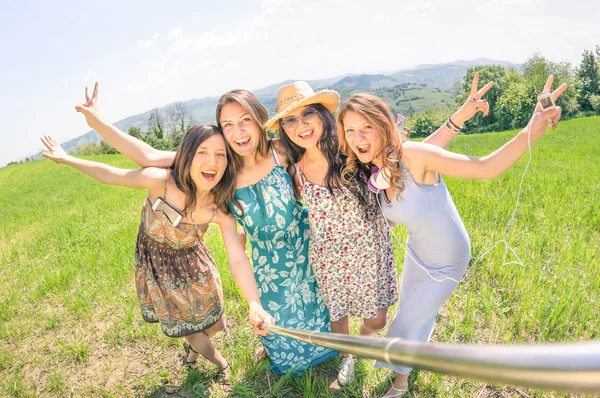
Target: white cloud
(176, 32)
(180, 41)
(89, 75)
(147, 43)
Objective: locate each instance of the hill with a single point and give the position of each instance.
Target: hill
(437, 80)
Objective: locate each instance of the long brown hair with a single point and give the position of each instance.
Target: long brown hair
(376, 112)
(180, 170)
(259, 113)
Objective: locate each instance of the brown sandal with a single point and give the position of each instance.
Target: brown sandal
(188, 348)
(260, 354)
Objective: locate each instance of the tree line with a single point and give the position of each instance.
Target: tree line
(513, 96)
(164, 131)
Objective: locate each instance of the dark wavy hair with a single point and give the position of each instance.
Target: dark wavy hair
(180, 170)
(329, 146)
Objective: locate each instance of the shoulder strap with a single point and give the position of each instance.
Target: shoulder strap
(213, 215)
(275, 155)
(165, 193)
(300, 173)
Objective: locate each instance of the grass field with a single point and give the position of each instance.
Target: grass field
(70, 324)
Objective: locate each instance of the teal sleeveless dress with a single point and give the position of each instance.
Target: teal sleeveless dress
(277, 227)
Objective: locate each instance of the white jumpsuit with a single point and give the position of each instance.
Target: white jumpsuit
(439, 242)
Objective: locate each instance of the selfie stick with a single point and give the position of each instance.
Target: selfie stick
(571, 367)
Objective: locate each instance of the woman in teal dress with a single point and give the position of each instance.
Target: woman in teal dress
(273, 220)
(277, 226)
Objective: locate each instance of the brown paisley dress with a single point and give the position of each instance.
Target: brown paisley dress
(176, 278)
(350, 251)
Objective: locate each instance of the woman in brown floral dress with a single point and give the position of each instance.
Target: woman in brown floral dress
(177, 280)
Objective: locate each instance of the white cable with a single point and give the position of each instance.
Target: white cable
(514, 213)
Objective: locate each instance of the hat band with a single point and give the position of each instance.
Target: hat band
(288, 100)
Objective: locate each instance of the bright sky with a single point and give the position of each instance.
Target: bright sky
(150, 53)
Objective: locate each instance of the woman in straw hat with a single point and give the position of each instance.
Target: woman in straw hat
(413, 193)
(350, 248)
(273, 219)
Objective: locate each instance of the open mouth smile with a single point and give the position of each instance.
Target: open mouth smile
(209, 175)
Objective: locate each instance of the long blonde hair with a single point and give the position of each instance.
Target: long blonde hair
(376, 112)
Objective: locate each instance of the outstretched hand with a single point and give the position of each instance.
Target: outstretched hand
(474, 103)
(540, 120)
(56, 154)
(89, 107)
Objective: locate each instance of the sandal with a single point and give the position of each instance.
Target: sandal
(398, 392)
(224, 378)
(260, 354)
(188, 348)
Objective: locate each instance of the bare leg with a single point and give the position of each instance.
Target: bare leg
(342, 326)
(202, 344)
(370, 326)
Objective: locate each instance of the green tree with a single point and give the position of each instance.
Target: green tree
(134, 132)
(588, 75)
(536, 70)
(595, 103)
(423, 124)
(106, 149)
(569, 101)
(155, 125)
(514, 107)
(174, 138)
(462, 89)
(88, 149)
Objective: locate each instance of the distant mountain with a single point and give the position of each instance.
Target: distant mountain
(445, 75)
(440, 77)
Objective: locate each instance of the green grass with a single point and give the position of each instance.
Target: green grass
(70, 324)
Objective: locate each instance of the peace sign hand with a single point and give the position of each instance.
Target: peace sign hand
(89, 107)
(540, 120)
(474, 103)
(555, 94)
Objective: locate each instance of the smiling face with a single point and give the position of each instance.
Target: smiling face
(364, 139)
(303, 126)
(241, 131)
(209, 163)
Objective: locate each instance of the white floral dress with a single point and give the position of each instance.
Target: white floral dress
(351, 251)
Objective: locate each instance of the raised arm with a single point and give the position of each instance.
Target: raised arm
(442, 136)
(137, 179)
(136, 150)
(242, 271)
(429, 158)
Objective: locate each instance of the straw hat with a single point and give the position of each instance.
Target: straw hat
(298, 94)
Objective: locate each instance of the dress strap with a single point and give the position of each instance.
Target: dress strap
(275, 155)
(213, 215)
(300, 174)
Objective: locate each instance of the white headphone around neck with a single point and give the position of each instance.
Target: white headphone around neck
(379, 180)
